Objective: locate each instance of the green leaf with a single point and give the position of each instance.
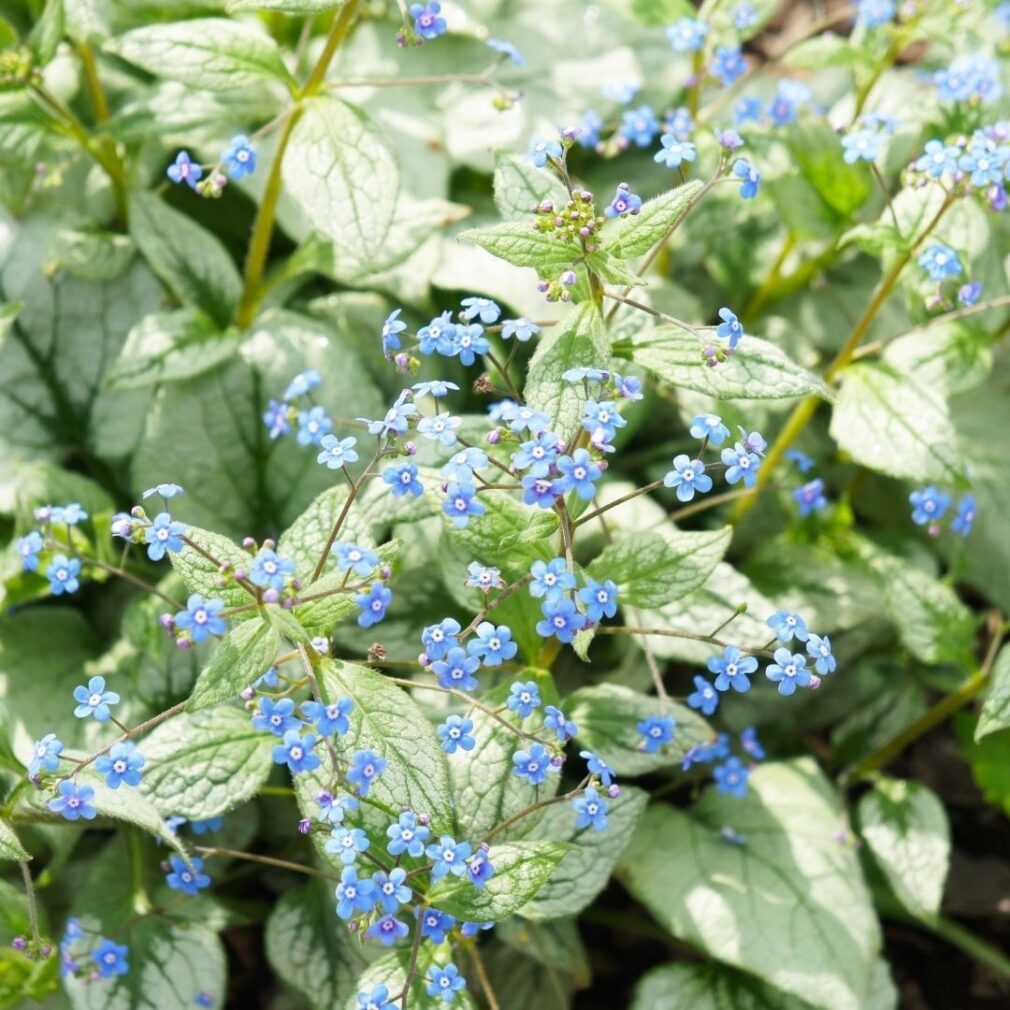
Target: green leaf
(790, 877)
(554, 944)
(519, 187)
(517, 242)
(996, 709)
(169, 347)
(579, 340)
(607, 716)
(653, 569)
(816, 150)
(93, 255)
(309, 948)
(591, 858)
(47, 33)
(989, 759)
(391, 971)
(758, 370)
(888, 422)
(212, 53)
(636, 234)
(520, 870)
(285, 6)
(708, 986)
(905, 826)
(190, 260)
(202, 765)
(10, 844)
(201, 574)
(345, 179)
(245, 654)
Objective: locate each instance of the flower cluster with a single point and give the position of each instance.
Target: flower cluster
(930, 505)
(236, 161)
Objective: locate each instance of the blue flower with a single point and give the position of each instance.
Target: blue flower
(803, 462)
(377, 999)
(111, 958)
(704, 697)
(396, 420)
(657, 732)
(537, 454)
(162, 535)
(354, 895)
(336, 452)
(184, 170)
(732, 669)
(69, 515)
(391, 328)
(709, 427)
(449, 857)
(122, 764)
(240, 157)
(406, 835)
(438, 639)
(787, 626)
(507, 49)
(296, 752)
(730, 328)
(493, 645)
(621, 91)
(188, 879)
(275, 417)
(366, 767)
(480, 308)
(373, 604)
(600, 599)
(333, 809)
(810, 497)
(470, 341)
(428, 22)
(331, 718)
(402, 479)
(457, 670)
(551, 579)
(540, 150)
(730, 140)
(201, 618)
(94, 700)
(275, 717)
(628, 387)
(532, 765)
(269, 570)
(985, 162)
(861, 145)
(731, 778)
(556, 721)
(751, 744)
(680, 123)
(819, 649)
(968, 294)
(436, 388)
(312, 426)
(524, 698)
(585, 373)
(938, 159)
(747, 109)
(462, 503)
(202, 827)
(439, 336)
(29, 547)
(744, 15)
(390, 889)
(749, 176)
(588, 130)
(728, 64)
(624, 202)
(461, 465)
(62, 574)
(479, 868)
(73, 802)
(455, 733)
(165, 490)
(347, 842)
(445, 982)
(601, 420)
(355, 558)
(674, 152)
(522, 329)
(962, 522)
(590, 810)
(302, 383)
(928, 505)
(435, 924)
(597, 766)
(45, 755)
(527, 418)
(639, 126)
(578, 473)
(740, 465)
(875, 13)
(940, 262)
(688, 476)
(387, 931)
(561, 619)
(687, 35)
(439, 428)
(483, 577)
(789, 671)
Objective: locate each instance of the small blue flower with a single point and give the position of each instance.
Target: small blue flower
(624, 202)
(600, 599)
(28, 548)
(747, 109)
(751, 744)
(479, 868)
(621, 91)
(587, 133)
(551, 579)
(744, 15)
(439, 428)
(62, 574)
(728, 64)
(94, 700)
(377, 999)
(449, 857)
(387, 931)
(710, 427)
(184, 170)
(347, 843)
(526, 418)
(673, 152)
(810, 497)
(680, 123)
(819, 649)
(122, 764)
(166, 491)
(493, 644)
(524, 698)
(362, 561)
(296, 752)
(276, 717)
(445, 982)
(939, 159)
(537, 454)
(462, 503)
(688, 476)
(749, 176)
(202, 827)
(390, 889)
(483, 577)
(428, 22)
(540, 150)
(578, 473)
(188, 879)
(470, 341)
(354, 895)
(457, 670)
(940, 262)
(240, 157)
(366, 767)
(590, 810)
(556, 721)
(522, 329)
(731, 778)
(875, 13)
(302, 384)
(965, 517)
(45, 755)
(628, 387)
(73, 802)
(687, 35)
(396, 420)
(862, 145)
(928, 505)
(461, 464)
(480, 308)
(455, 733)
(312, 426)
(69, 515)
(329, 719)
(803, 462)
(164, 534)
(789, 671)
(435, 924)
(507, 49)
(438, 639)
(533, 765)
(704, 697)
(732, 669)
(984, 161)
(969, 294)
(406, 835)
(337, 452)
(597, 766)
(276, 418)
(269, 570)
(602, 417)
(402, 479)
(202, 617)
(657, 731)
(111, 958)
(436, 388)
(391, 329)
(730, 328)
(639, 126)
(561, 620)
(439, 336)
(333, 809)
(741, 465)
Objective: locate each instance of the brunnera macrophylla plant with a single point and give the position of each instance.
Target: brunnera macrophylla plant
(404, 588)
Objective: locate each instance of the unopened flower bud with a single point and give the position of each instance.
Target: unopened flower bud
(247, 693)
(493, 436)
(271, 595)
(304, 826)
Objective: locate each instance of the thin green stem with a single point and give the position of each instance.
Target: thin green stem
(281, 864)
(33, 912)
